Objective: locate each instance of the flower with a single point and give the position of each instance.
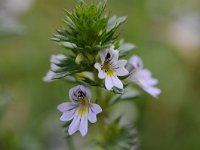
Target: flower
(110, 68)
(142, 77)
(80, 110)
(55, 60)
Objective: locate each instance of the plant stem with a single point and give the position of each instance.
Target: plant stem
(70, 143)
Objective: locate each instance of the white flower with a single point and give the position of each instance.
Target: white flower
(55, 60)
(110, 68)
(80, 110)
(49, 76)
(142, 77)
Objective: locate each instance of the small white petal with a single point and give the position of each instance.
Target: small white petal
(108, 83)
(122, 63)
(74, 126)
(54, 67)
(101, 73)
(83, 128)
(92, 116)
(152, 81)
(114, 54)
(153, 91)
(120, 69)
(146, 73)
(136, 62)
(121, 72)
(95, 108)
(68, 115)
(49, 76)
(66, 106)
(116, 82)
(56, 59)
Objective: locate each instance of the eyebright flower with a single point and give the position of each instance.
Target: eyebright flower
(110, 68)
(55, 60)
(79, 109)
(142, 77)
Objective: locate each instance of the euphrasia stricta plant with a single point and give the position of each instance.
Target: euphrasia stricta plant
(95, 64)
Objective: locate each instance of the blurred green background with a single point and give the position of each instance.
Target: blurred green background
(167, 36)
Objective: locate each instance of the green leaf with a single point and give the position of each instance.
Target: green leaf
(125, 48)
(114, 22)
(87, 29)
(118, 137)
(68, 45)
(128, 94)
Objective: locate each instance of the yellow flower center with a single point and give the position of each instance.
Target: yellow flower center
(82, 111)
(108, 69)
(84, 101)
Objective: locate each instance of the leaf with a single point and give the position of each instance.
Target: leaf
(125, 48)
(88, 81)
(68, 45)
(128, 94)
(114, 22)
(87, 29)
(118, 137)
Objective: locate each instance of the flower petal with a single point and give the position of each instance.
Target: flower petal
(74, 126)
(68, 110)
(83, 128)
(66, 107)
(95, 108)
(121, 72)
(153, 91)
(86, 91)
(54, 67)
(56, 59)
(68, 115)
(116, 82)
(114, 54)
(91, 115)
(108, 83)
(136, 62)
(73, 91)
(49, 76)
(101, 73)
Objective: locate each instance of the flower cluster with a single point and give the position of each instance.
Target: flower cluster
(110, 69)
(96, 61)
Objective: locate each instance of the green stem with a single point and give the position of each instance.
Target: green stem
(70, 143)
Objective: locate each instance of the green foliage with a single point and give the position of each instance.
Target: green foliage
(88, 29)
(118, 137)
(66, 67)
(128, 94)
